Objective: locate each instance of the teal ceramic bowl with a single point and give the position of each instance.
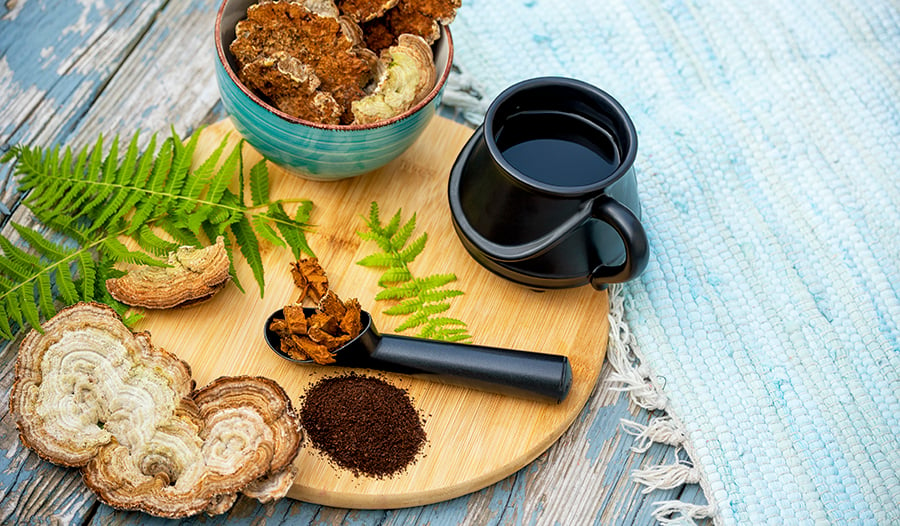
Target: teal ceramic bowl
(312, 150)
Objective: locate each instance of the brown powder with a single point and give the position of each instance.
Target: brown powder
(363, 424)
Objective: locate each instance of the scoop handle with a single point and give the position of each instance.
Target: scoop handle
(505, 370)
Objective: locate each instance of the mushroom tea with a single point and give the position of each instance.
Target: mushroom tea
(558, 148)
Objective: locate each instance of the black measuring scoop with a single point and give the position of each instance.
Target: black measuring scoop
(489, 368)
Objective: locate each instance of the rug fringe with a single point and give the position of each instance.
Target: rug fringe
(637, 380)
(634, 377)
(664, 430)
(677, 513)
(463, 93)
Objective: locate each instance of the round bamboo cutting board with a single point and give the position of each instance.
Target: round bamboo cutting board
(474, 438)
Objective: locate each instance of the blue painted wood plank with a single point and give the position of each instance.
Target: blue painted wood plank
(55, 58)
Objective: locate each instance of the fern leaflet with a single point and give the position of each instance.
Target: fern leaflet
(421, 300)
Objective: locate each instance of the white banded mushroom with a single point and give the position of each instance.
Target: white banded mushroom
(194, 275)
(406, 74)
(89, 393)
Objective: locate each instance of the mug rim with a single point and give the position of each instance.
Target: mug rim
(617, 112)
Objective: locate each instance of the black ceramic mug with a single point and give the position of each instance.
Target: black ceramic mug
(544, 192)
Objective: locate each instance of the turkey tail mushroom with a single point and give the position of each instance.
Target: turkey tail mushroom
(90, 393)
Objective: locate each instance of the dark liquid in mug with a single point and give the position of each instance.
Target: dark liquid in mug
(558, 148)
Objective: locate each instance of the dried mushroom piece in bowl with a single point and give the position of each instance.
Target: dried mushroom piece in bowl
(329, 61)
(407, 75)
(416, 17)
(364, 10)
(194, 275)
(90, 393)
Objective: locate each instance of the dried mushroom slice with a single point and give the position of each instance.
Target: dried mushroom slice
(293, 88)
(417, 17)
(90, 393)
(69, 380)
(323, 43)
(364, 10)
(408, 74)
(321, 7)
(310, 278)
(193, 275)
(272, 487)
(229, 404)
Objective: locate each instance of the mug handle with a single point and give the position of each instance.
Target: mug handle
(629, 228)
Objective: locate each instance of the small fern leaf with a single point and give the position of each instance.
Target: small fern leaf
(445, 323)
(144, 212)
(393, 225)
(292, 231)
(148, 240)
(145, 165)
(120, 253)
(161, 166)
(303, 213)
(407, 306)
(398, 292)
(402, 235)
(65, 284)
(219, 182)
(409, 254)
(259, 183)
(50, 250)
(395, 275)
(29, 308)
(200, 178)
(249, 245)
(434, 281)
(373, 220)
(45, 294)
(24, 261)
(431, 295)
(379, 260)
(265, 231)
(450, 335)
(13, 270)
(5, 285)
(88, 270)
(422, 316)
(5, 328)
(125, 172)
(383, 242)
(180, 234)
(13, 306)
(181, 162)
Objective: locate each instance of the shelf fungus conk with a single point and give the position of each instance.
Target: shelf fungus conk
(406, 74)
(194, 275)
(309, 66)
(90, 393)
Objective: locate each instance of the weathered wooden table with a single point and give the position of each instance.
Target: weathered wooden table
(72, 70)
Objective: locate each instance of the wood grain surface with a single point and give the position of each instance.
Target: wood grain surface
(475, 438)
(72, 70)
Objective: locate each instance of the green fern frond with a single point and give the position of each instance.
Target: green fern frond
(259, 184)
(421, 300)
(394, 275)
(402, 235)
(382, 259)
(97, 200)
(249, 246)
(292, 230)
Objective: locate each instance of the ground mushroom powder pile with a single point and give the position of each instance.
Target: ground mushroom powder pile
(363, 424)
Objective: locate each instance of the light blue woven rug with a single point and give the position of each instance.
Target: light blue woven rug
(769, 172)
